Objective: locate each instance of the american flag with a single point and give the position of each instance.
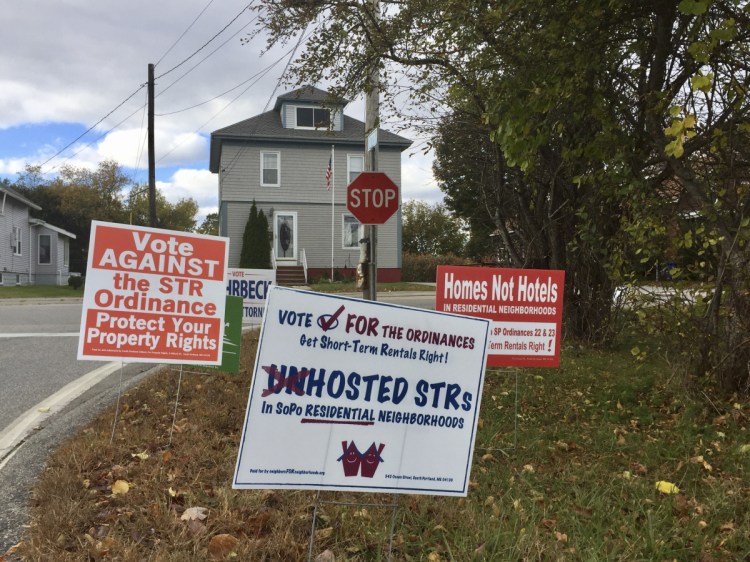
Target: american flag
(329, 172)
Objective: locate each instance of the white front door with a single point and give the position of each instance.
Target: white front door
(285, 235)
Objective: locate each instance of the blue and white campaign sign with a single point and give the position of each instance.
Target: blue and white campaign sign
(364, 396)
(252, 285)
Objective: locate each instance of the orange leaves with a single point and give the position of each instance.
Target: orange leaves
(220, 546)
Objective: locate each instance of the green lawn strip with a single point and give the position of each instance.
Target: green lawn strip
(351, 287)
(55, 291)
(38, 291)
(577, 482)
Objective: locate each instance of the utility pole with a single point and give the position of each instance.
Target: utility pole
(372, 122)
(151, 150)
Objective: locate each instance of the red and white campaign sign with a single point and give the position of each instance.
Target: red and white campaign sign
(525, 306)
(152, 295)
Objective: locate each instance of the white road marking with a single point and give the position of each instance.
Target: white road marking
(24, 424)
(42, 335)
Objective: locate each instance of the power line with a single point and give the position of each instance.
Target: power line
(223, 29)
(257, 77)
(63, 149)
(203, 60)
(99, 137)
(71, 143)
(302, 36)
(184, 32)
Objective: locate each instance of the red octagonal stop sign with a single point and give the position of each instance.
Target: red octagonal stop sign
(372, 198)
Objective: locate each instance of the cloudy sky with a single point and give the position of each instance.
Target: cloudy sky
(68, 66)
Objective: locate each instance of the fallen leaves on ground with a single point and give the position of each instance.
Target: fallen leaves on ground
(195, 513)
(222, 545)
(120, 487)
(667, 487)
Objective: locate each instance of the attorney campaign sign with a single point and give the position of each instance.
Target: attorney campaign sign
(252, 285)
(363, 396)
(152, 295)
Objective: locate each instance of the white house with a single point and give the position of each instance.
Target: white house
(32, 251)
(279, 160)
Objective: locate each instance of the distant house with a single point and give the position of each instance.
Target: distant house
(32, 252)
(279, 160)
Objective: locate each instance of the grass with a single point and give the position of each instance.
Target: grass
(38, 291)
(54, 291)
(593, 438)
(351, 287)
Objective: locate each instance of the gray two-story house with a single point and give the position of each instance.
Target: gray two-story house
(280, 159)
(32, 251)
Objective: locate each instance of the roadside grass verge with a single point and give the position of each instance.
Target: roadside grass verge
(38, 291)
(351, 287)
(594, 437)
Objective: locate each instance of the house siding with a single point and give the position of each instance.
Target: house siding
(25, 269)
(15, 269)
(302, 181)
(302, 191)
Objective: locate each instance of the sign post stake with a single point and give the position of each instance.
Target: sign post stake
(176, 402)
(117, 406)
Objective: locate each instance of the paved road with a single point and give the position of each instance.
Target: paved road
(38, 345)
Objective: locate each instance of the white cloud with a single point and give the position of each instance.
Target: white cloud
(200, 185)
(75, 61)
(417, 180)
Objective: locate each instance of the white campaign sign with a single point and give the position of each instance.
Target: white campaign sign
(364, 396)
(252, 285)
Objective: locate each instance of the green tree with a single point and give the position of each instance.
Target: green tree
(179, 216)
(430, 229)
(615, 112)
(210, 224)
(74, 198)
(256, 247)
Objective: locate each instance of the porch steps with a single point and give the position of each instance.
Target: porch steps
(289, 276)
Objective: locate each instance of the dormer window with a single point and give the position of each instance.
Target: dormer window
(313, 118)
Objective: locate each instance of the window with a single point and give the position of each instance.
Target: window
(355, 163)
(15, 241)
(45, 249)
(269, 169)
(313, 117)
(66, 252)
(351, 233)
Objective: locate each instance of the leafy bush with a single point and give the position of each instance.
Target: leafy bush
(75, 281)
(423, 268)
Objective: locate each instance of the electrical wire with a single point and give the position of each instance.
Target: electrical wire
(223, 29)
(258, 77)
(302, 36)
(164, 90)
(79, 137)
(63, 149)
(183, 33)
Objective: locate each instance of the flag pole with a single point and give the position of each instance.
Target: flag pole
(333, 209)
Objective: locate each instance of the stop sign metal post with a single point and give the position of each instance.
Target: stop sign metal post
(372, 198)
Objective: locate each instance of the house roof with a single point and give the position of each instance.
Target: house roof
(45, 224)
(267, 127)
(17, 196)
(310, 94)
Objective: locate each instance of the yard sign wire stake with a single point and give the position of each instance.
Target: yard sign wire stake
(176, 402)
(117, 406)
(515, 416)
(312, 527)
(318, 502)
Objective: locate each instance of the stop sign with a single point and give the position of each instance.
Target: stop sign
(372, 198)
